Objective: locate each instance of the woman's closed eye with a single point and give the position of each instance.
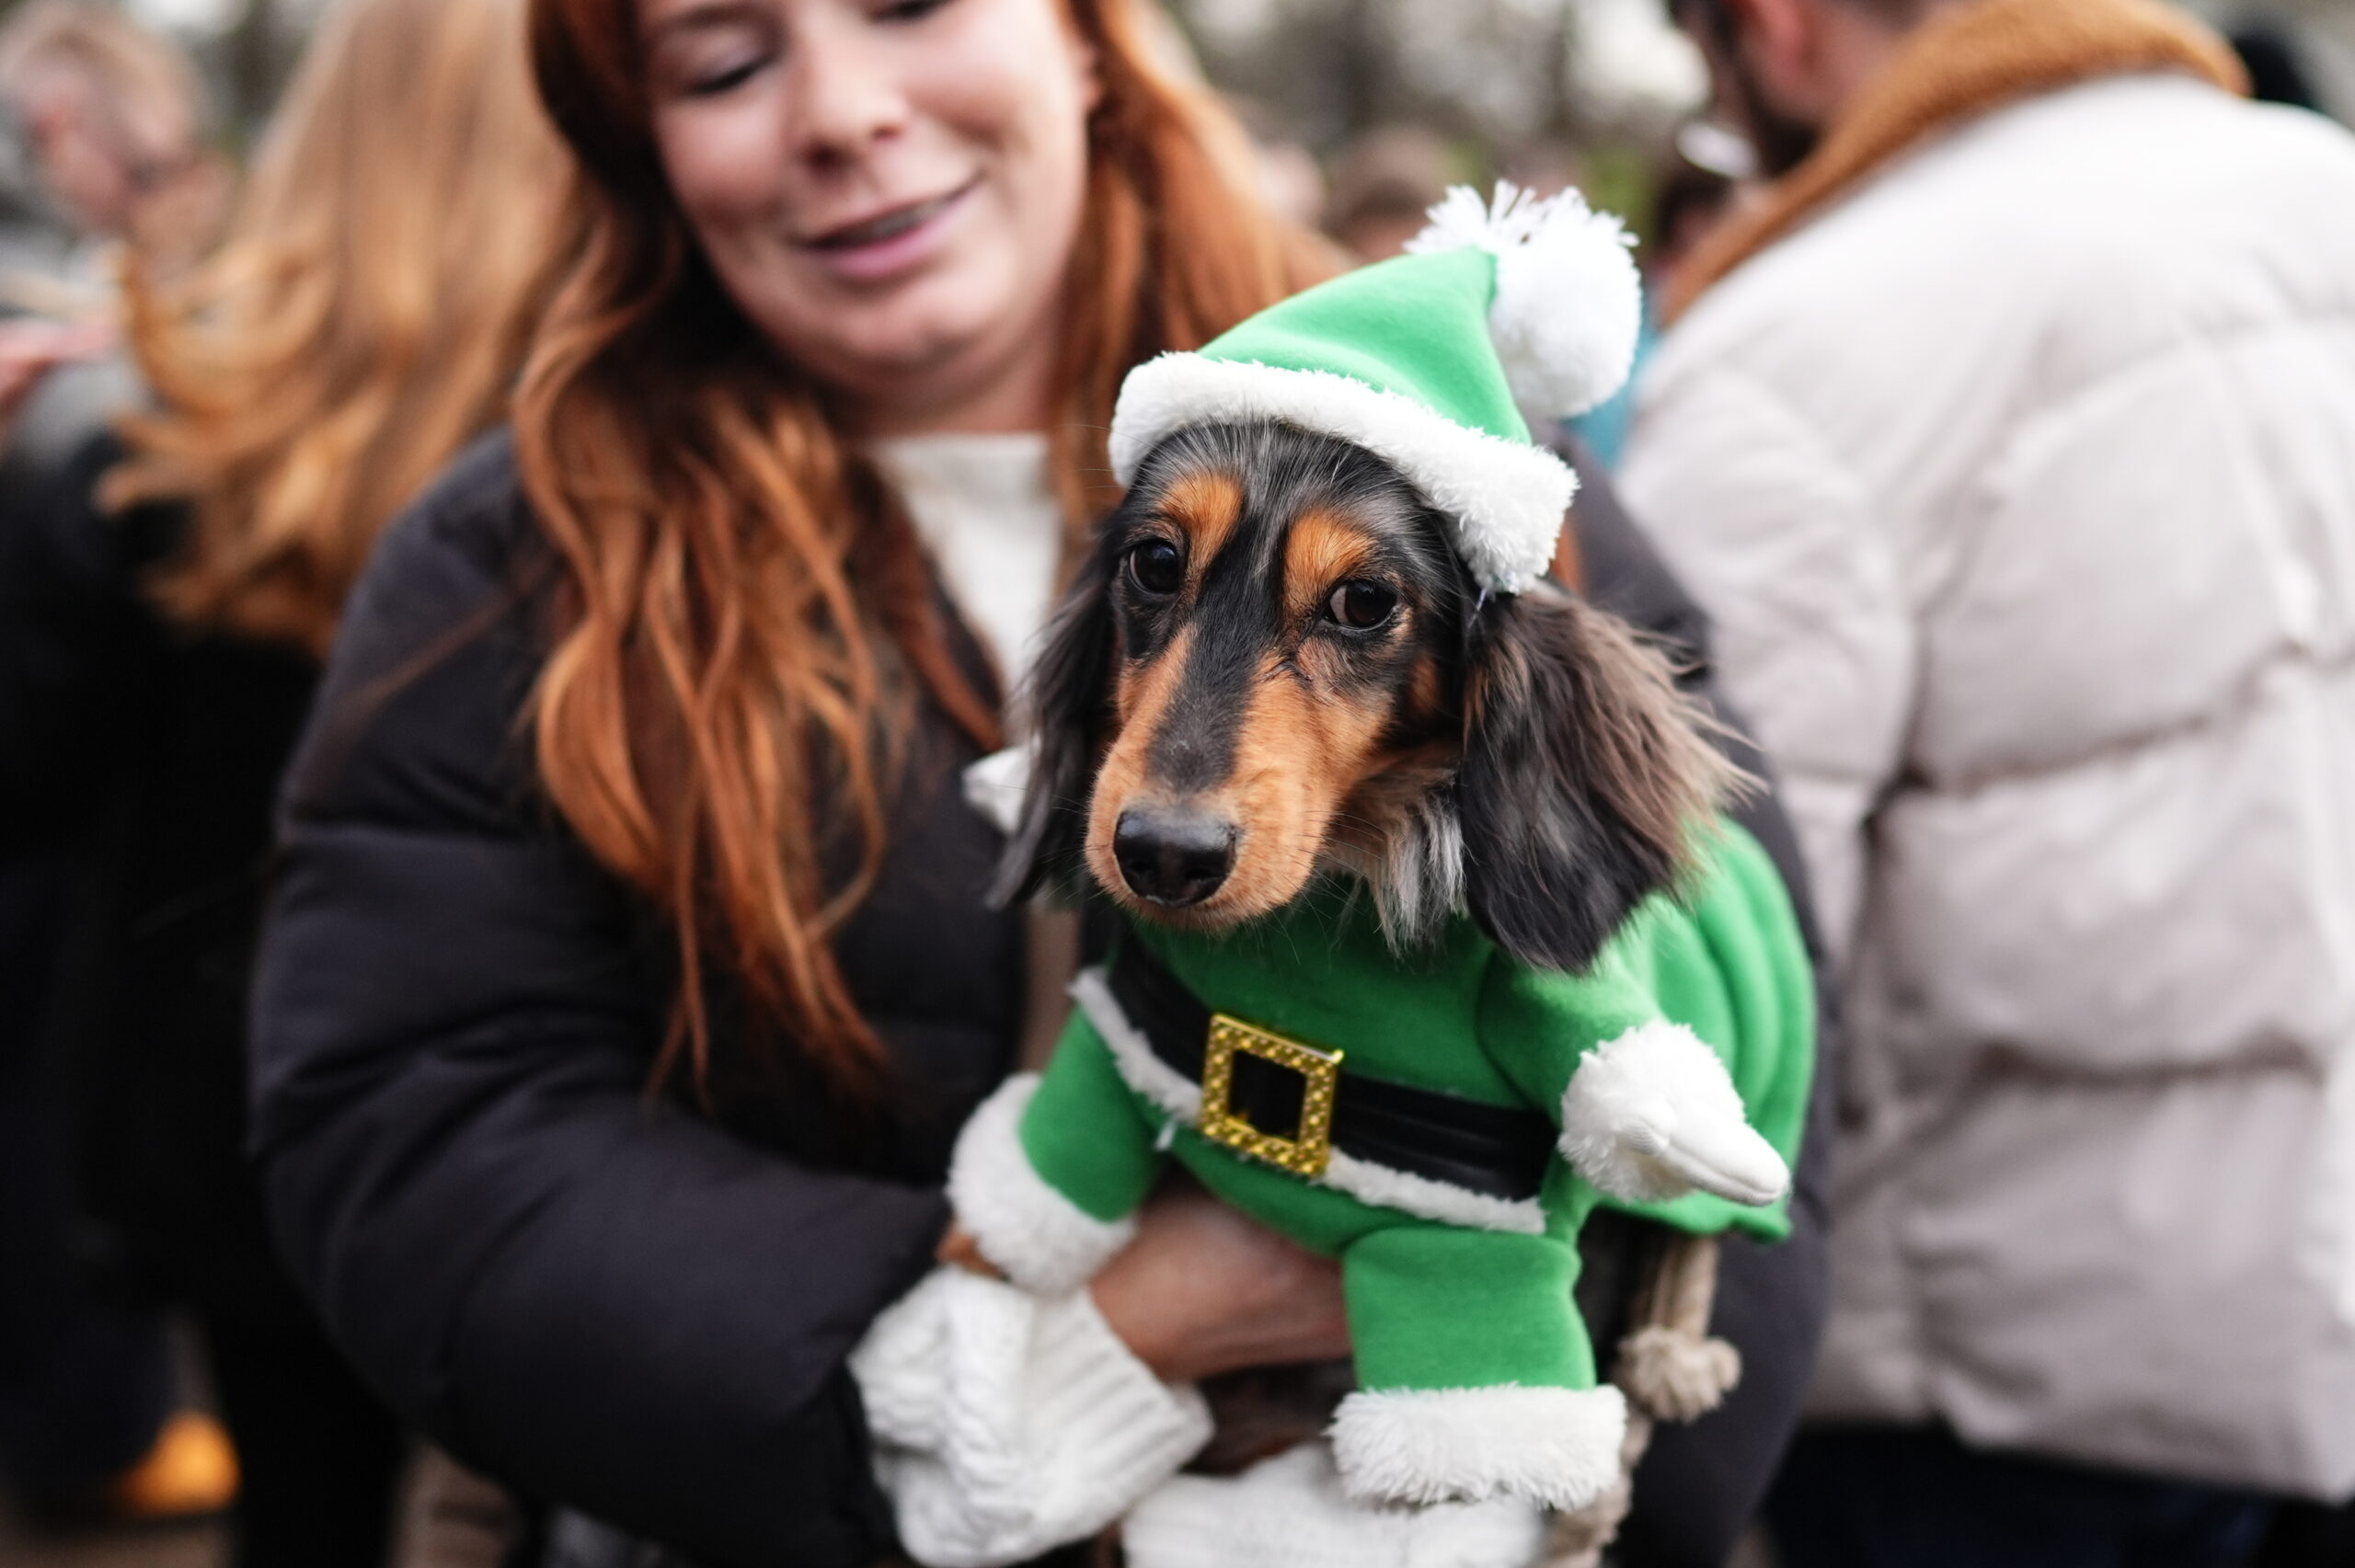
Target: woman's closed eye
(714, 81)
(706, 56)
(906, 10)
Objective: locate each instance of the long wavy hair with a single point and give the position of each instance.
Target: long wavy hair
(365, 317)
(745, 619)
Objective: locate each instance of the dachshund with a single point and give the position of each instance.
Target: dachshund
(1274, 684)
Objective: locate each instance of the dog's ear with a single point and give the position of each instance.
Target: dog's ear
(1068, 698)
(1584, 770)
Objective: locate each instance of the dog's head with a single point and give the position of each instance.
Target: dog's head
(1274, 663)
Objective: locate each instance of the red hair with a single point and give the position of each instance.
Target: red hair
(338, 350)
(746, 619)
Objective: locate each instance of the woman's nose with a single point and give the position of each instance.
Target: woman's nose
(847, 93)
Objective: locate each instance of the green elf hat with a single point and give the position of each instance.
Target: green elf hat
(1428, 361)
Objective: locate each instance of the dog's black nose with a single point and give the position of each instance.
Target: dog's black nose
(1173, 855)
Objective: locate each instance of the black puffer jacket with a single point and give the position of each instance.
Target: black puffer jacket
(629, 1306)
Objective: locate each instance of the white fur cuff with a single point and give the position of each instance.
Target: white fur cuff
(1044, 1242)
(1557, 1446)
(1653, 1114)
(1288, 1512)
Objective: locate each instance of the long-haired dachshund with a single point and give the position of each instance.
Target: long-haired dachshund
(1432, 929)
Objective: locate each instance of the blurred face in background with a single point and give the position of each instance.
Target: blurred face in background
(1753, 85)
(889, 190)
(108, 155)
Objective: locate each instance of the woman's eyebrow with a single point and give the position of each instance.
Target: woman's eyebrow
(698, 15)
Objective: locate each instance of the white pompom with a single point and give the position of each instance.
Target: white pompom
(1569, 306)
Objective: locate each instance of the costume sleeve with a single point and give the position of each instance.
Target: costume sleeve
(1051, 1171)
(1007, 1423)
(1539, 1025)
(1642, 1053)
(1728, 960)
(1814, 636)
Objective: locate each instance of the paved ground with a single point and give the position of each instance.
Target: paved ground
(457, 1543)
(194, 1547)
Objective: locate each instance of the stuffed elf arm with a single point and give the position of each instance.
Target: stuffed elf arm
(1647, 1109)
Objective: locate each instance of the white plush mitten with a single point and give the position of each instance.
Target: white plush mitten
(1653, 1114)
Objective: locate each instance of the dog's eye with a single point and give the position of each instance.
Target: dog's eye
(1362, 605)
(1156, 566)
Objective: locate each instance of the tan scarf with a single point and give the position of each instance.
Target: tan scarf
(1962, 62)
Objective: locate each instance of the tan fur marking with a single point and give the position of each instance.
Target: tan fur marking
(1425, 688)
(1140, 696)
(1299, 755)
(1206, 503)
(1323, 547)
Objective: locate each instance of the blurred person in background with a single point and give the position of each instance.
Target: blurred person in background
(162, 621)
(630, 974)
(106, 156)
(116, 118)
(2007, 441)
(1384, 184)
(87, 98)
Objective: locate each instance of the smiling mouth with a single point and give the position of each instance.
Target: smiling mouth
(891, 225)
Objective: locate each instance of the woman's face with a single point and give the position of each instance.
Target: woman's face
(890, 189)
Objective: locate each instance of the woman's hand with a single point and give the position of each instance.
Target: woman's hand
(29, 349)
(1203, 1290)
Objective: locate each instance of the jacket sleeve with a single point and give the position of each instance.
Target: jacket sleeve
(603, 1300)
(1814, 639)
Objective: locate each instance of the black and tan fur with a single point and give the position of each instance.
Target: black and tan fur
(1520, 756)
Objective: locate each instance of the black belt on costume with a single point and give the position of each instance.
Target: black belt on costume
(1293, 1104)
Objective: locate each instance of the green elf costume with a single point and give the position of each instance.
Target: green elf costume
(1670, 1076)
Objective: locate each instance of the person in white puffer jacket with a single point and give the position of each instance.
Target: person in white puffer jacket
(2010, 442)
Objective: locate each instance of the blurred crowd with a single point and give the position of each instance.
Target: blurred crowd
(476, 1125)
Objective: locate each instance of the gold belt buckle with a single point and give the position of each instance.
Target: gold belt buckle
(1308, 1152)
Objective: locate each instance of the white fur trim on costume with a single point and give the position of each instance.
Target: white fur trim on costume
(1133, 1053)
(1428, 1199)
(1368, 1183)
(1289, 1512)
(1557, 1446)
(1506, 498)
(1653, 1114)
(1043, 1241)
(1569, 306)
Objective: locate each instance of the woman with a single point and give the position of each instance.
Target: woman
(637, 766)
(157, 654)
